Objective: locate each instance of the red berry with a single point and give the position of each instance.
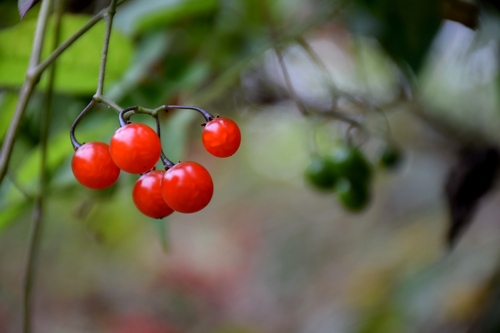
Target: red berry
(187, 187)
(221, 137)
(135, 148)
(147, 195)
(93, 167)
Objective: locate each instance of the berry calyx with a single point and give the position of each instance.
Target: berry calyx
(135, 148)
(221, 137)
(147, 196)
(93, 166)
(187, 187)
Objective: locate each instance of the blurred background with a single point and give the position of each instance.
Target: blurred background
(270, 253)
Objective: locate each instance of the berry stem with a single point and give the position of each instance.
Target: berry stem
(204, 113)
(74, 141)
(123, 117)
(166, 162)
(108, 102)
(126, 113)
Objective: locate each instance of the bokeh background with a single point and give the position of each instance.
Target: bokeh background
(270, 253)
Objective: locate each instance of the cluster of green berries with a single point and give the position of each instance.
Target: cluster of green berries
(185, 187)
(347, 172)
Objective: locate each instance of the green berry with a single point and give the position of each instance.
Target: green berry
(321, 173)
(350, 163)
(390, 157)
(353, 196)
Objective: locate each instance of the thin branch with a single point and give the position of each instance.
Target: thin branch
(38, 70)
(108, 102)
(15, 122)
(39, 205)
(319, 62)
(291, 89)
(34, 242)
(279, 54)
(72, 137)
(111, 10)
(58, 51)
(300, 104)
(166, 162)
(41, 27)
(27, 88)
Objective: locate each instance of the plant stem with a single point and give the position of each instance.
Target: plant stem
(34, 242)
(41, 27)
(27, 88)
(204, 113)
(108, 102)
(39, 205)
(110, 12)
(72, 137)
(279, 54)
(166, 162)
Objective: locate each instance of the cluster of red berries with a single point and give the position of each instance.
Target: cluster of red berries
(185, 187)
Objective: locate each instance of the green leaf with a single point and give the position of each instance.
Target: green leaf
(140, 16)
(77, 68)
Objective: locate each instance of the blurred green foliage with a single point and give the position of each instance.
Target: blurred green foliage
(267, 255)
(77, 68)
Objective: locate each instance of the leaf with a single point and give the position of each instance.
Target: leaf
(77, 68)
(25, 5)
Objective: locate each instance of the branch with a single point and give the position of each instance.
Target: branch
(102, 71)
(39, 205)
(27, 88)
